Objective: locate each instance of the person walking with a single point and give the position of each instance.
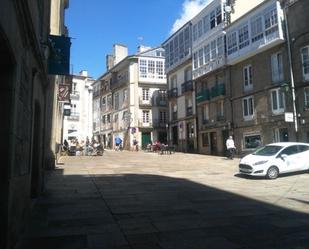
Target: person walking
(118, 142)
(230, 146)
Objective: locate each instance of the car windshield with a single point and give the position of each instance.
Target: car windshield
(268, 150)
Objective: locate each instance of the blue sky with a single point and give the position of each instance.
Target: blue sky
(96, 25)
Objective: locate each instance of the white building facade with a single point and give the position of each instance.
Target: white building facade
(80, 123)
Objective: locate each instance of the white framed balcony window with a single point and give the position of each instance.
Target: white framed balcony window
(277, 68)
(207, 53)
(305, 62)
(200, 28)
(145, 94)
(243, 36)
(206, 23)
(232, 42)
(143, 68)
(200, 57)
(248, 108)
(194, 31)
(220, 45)
(195, 60)
(256, 29)
(306, 92)
(271, 22)
(247, 78)
(213, 50)
(277, 101)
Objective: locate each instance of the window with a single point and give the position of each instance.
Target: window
(104, 119)
(145, 116)
(143, 68)
(163, 117)
(207, 53)
(220, 110)
(200, 57)
(174, 81)
(160, 69)
(151, 69)
(188, 74)
(171, 53)
(103, 101)
(116, 101)
(206, 23)
(116, 118)
(200, 28)
(205, 112)
(276, 68)
(305, 62)
(306, 92)
(220, 46)
(195, 61)
(231, 43)
(145, 94)
(291, 150)
(125, 95)
(218, 15)
(243, 36)
(181, 45)
(212, 19)
(213, 48)
(247, 77)
(277, 100)
(248, 108)
(194, 32)
(108, 118)
(176, 49)
(271, 22)
(256, 29)
(252, 141)
(187, 41)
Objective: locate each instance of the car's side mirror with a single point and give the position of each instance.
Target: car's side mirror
(283, 157)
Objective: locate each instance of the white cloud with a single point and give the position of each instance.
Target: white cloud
(190, 8)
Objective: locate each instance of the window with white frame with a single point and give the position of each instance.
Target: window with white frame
(171, 53)
(276, 67)
(231, 42)
(212, 19)
(256, 29)
(143, 68)
(220, 45)
(252, 141)
(271, 22)
(206, 23)
(243, 36)
(247, 77)
(160, 69)
(188, 74)
(220, 109)
(187, 41)
(194, 32)
(218, 15)
(176, 49)
(306, 92)
(200, 57)
(207, 53)
(163, 117)
(173, 81)
(213, 50)
(200, 28)
(151, 69)
(145, 116)
(125, 95)
(305, 62)
(248, 108)
(195, 60)
(181, 45)
(145, 94)
(277, 101)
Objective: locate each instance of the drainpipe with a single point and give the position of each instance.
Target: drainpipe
(285, 7)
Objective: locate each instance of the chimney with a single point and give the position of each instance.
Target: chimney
(142, 48)
(109, 61)
(83, 73)
(120, 52)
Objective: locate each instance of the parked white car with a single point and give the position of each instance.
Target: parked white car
(274, 159)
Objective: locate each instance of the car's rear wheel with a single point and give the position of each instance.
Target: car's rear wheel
(272, 172)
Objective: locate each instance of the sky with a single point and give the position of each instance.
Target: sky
(96, 25)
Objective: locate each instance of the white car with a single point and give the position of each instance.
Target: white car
(274, 159)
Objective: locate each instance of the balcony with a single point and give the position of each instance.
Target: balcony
(142, 124)
(203, 95)
(158, 123)
(209, 67)
(173, 93)
(145, 103)
(220, 118)
(74, 116)
(161, 101)
(189, 111)
(217, 90)
(187, 87)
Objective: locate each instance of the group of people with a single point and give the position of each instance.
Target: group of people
(82, 148)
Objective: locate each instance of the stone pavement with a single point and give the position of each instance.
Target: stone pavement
(137, 200)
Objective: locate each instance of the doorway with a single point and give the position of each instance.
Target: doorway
(146, 139)
(213, 143)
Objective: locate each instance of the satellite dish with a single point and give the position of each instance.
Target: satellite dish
(228, 9)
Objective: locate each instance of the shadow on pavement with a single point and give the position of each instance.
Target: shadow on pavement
(151, 211)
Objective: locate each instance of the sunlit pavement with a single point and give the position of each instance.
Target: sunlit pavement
(144, 200)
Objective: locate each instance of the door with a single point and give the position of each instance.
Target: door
(146, 139)
(213, 143)
(291, 159)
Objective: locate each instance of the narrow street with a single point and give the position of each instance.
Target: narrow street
(143, 200)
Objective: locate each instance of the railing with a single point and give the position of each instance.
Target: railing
(143, 102)
(203, 95)
(220, 118)
(218, 90)
(160, 101)
(145, 124)
(187, 86)
(173, 93)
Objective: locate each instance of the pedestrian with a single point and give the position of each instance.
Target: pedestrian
(135, 144)
(118, 142)
(230, 146)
